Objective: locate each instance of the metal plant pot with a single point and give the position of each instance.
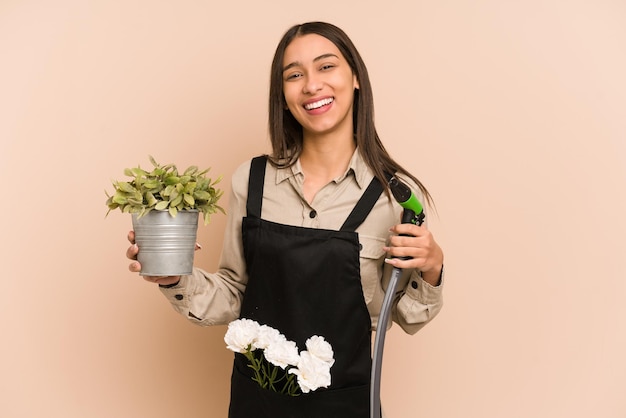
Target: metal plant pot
(166, 244)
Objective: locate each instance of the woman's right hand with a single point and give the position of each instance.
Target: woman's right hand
(135, 267)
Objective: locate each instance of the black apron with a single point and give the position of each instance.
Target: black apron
(305, 282)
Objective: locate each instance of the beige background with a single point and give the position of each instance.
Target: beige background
(512, 112)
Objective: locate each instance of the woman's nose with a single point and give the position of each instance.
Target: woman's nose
(313, 84)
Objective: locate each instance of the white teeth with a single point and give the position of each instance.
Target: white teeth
(318, 104)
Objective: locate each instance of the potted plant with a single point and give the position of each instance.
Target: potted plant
(165, 206)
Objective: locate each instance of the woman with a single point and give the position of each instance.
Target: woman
(307, 249)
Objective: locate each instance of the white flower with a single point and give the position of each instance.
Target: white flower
(241, 335)
(268, 336)
(318, 347)
(282, 353)
(312, 372)
(311, 369)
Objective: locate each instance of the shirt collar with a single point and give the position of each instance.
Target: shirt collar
(357, 166)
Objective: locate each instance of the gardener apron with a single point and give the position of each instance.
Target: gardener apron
(305, 282)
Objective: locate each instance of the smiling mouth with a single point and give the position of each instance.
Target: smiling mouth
(319, 103)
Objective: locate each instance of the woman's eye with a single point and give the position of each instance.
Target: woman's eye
(293, 76)
(327, 66)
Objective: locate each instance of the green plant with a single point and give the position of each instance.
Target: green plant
(164, 188)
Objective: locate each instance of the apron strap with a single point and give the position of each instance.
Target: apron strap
(363, 206)
(256, 181)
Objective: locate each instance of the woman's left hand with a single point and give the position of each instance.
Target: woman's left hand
(420, 245)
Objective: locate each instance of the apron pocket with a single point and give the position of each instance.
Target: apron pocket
(248, 399)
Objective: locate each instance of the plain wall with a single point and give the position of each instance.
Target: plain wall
(513, 113)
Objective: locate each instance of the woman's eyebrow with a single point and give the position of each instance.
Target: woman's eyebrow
(298, 63)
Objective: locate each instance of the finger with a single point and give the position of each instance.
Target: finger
(135, 267)
(409, 241)
(409, 229)
(132, 251)
(153, 279)
(131, 237)
(164, 280)
(412, 263)
(406, 252)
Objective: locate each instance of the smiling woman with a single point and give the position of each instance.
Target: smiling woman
(512, 113)
(305, 248)
(319, 89)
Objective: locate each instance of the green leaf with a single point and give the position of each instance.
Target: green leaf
(171, 180)
(120, 200)
(125, 187)
(169, 167)
(202, 195)
(191, 171)
(167, 191)
(135, 202)
(150, 199)
(189, 199)
(162, 205)
(173, 211)
(190, 187)
(151, 184)
(176, 201)
(138, 172)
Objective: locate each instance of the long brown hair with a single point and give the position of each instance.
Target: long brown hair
(286, 132)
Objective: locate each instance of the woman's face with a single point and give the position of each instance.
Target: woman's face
(318, 85)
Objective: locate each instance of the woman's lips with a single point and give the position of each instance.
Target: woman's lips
(313, 105)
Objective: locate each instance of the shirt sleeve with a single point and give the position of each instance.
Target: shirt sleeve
(418, 304)
(215, 298)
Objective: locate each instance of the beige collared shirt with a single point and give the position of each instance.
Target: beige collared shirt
(215, 298)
